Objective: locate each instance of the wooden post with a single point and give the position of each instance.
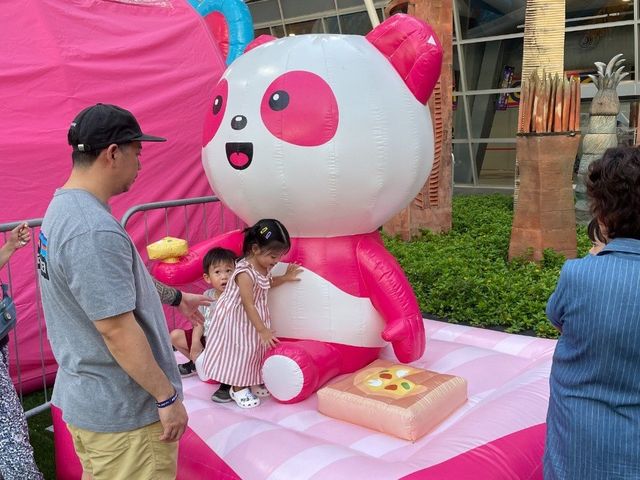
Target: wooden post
(431, 209)
(545, 216)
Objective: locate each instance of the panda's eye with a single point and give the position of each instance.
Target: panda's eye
(216, 114)
(217, 104)
(300, 108)
(279, 100)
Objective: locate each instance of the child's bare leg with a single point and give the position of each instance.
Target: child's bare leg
(179, 340)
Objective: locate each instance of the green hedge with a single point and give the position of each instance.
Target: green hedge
(464, 275)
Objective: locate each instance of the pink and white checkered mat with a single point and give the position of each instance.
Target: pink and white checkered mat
(497, 434)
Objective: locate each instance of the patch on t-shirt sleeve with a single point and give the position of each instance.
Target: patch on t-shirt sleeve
(43, 266)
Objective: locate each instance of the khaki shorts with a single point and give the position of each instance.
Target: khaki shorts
(136, 454)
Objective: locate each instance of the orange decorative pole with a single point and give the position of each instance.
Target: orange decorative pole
(431, 209)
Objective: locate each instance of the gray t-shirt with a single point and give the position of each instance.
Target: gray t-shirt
(90, 270)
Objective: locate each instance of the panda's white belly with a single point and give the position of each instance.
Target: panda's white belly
(315, 309)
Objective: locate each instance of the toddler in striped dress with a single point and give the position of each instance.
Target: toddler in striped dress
(241, 331)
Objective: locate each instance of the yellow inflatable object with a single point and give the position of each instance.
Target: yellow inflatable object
(168, 249)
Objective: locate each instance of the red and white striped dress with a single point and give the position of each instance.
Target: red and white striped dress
(234, 352)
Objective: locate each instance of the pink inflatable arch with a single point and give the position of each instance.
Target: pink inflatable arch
(153, 57)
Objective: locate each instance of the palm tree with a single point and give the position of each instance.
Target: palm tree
(548, 139)
(543, 51)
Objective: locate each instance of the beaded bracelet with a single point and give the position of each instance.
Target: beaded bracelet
(168, 401)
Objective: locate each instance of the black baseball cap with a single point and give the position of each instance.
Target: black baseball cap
(100, 125)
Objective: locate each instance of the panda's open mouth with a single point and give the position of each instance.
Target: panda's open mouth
(239, 154)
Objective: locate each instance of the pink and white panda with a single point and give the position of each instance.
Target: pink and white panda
(330, 135)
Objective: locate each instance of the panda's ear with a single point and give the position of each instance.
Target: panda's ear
(413, 49)
(261, 40)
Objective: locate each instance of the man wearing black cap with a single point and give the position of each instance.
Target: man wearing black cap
(118, 385)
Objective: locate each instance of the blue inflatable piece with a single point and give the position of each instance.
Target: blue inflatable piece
(238, 18)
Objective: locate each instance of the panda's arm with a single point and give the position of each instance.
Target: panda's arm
(392, 295)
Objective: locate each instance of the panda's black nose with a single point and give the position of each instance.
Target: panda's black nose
(239, 122)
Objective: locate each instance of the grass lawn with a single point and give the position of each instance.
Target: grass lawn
(41, 438)
(463, 276)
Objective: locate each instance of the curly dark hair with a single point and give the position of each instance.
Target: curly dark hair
(613, 188)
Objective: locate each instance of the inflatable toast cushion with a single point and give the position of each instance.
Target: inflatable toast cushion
(399, 400)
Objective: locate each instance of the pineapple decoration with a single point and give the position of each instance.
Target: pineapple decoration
(602, 130)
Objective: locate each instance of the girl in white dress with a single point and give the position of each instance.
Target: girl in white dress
(241, 328)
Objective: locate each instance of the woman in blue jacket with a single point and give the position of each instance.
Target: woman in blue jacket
(593, 422)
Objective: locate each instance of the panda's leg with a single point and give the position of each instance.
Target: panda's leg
(293, 370)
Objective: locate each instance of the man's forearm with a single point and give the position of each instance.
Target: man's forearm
(168, 295)
(129, 346)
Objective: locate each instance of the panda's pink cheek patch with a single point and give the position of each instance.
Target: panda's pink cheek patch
(299, 107)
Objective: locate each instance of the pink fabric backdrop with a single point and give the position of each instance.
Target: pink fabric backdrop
(153, 57)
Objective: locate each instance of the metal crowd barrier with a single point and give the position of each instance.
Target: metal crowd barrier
(5, 273)
(135, 214)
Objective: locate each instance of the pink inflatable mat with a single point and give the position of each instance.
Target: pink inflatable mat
(497, 434)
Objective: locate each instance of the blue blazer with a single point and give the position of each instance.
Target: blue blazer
(593, 421)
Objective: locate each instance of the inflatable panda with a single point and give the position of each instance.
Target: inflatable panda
(330, 135)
